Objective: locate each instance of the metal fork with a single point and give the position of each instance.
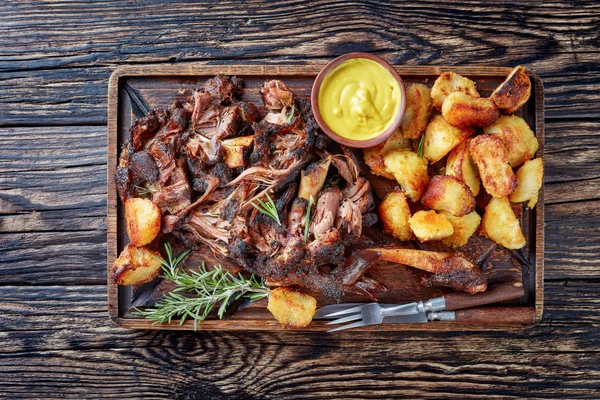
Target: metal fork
(368, 314)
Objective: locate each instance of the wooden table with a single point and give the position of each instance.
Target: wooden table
(55, 336)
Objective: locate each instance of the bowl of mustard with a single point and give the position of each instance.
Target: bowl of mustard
(358, 100)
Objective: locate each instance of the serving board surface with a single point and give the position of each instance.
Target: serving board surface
(136, 87)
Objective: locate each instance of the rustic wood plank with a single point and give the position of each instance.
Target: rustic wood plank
(51, 148)
(572, 247)
(291, 364)
(55, 59)
(81, 308)
(53, 189)
(229, 370)
(78, 95)
(53, 258)
(60, 77)
(98, 33)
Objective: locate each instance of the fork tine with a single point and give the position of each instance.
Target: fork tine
(349, 318)
(349, 326)
(347, 311)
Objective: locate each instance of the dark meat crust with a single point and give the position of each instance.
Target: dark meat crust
(311, 127)
(223, 89)
(458, 273)
(145, 128)
(143, 168)
(180, 157)
(123, 181)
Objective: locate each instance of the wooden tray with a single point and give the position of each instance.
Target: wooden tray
(157, 86)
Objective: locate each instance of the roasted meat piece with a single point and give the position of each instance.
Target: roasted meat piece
(276, 96)
(145, 128)
(453, 270)
(207, 161)
(223, 89)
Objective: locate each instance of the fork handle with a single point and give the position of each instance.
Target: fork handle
(494, 294)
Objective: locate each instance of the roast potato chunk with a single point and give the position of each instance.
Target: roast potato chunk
(448, 193)
(142, 220)
(501, 225)
(513, 92)
(237, 151)
(464, 228)
(449, 82)
(463, 111)
(410, 171)
(529, 182)
(429, 225)
(441, 138)
(460, 165)
(135, 265)
(394, 215)
(291, 308)
(374, 155)
(418, 108)
(489, 155)
(520, 141)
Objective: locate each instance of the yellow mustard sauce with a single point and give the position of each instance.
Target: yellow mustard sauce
(359, 99)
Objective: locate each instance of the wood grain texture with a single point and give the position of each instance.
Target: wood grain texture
(75, 338)
(55, 60)
(60, 77)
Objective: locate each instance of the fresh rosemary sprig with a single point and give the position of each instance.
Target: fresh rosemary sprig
(209, 288)
(307, 218)
(420, 147)
(269, 208)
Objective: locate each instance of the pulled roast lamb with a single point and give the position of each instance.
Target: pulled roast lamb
(207, 161)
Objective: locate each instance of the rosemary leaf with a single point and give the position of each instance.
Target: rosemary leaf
(269, 208)
(207, 287)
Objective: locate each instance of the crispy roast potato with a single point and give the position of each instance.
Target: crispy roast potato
(142, 220)
(394, 215)
(520, 141)
(374, 155)
(464, 228)
(449, 82)
(501, 225)
(513, 92)
(237, 151)
(450, 194)
(429, 225)
(460, 165)
(410, 171)
(418, 108)
(292, 308)
(463, 111)
(135, 265)
(441, 138)
(529, 181)
(489, 155)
